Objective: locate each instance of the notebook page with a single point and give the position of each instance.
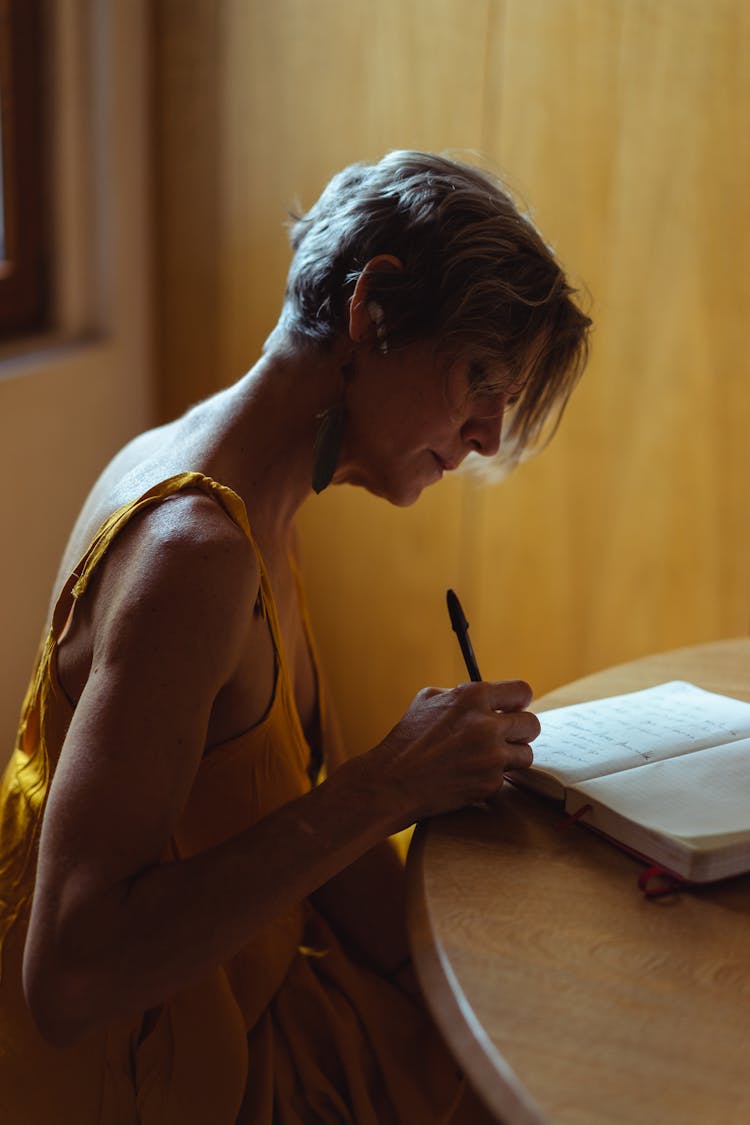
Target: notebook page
(608, 735)
(701, 798)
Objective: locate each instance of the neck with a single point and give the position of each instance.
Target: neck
(263, 430)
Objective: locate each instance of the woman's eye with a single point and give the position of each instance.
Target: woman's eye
(491, 404)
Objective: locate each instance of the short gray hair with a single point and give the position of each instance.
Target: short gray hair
(478, 279)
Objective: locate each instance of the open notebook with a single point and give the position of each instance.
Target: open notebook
(664, 771)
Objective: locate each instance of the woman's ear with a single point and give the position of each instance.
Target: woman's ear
(366, 317)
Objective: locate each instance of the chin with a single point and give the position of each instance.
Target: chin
(399, 498)
(396, 491)
(405, 501)
(405, 497)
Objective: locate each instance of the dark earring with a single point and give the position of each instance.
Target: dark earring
(327, 447)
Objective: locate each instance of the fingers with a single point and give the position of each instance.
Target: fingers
(520, 726)
(512, 729)
(518, 756)
(494, 695)
(484, 728)
(491, 745)
(509, 695)
(503, 701)
(454, 746)
(499, 695)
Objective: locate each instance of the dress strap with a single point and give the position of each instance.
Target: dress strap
(317, 752)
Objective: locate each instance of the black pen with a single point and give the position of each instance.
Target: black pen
(460, 626)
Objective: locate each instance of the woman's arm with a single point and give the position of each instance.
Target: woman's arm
(113, 929)
(365, 902)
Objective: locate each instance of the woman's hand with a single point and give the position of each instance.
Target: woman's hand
(453, 747)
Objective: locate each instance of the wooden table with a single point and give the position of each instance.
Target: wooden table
(566, 995)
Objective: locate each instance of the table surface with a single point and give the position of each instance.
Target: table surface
(567, 996)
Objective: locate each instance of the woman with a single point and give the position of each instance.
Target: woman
(196, 927)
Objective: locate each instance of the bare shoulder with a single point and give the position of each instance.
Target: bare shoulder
(182, 573)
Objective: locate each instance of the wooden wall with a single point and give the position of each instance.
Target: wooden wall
(625, 125)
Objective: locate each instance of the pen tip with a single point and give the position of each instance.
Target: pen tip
(458, 621)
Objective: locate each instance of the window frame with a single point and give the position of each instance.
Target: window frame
(25, 266)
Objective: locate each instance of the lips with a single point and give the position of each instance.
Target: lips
(446, 466)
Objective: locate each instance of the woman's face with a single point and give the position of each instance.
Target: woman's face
(410, 419)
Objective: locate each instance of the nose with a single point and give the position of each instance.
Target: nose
(483, 433)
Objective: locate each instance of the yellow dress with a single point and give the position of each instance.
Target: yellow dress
(292, 1030)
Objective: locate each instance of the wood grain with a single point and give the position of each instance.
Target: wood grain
(556, 981)
(625, 126)
(187, 135)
